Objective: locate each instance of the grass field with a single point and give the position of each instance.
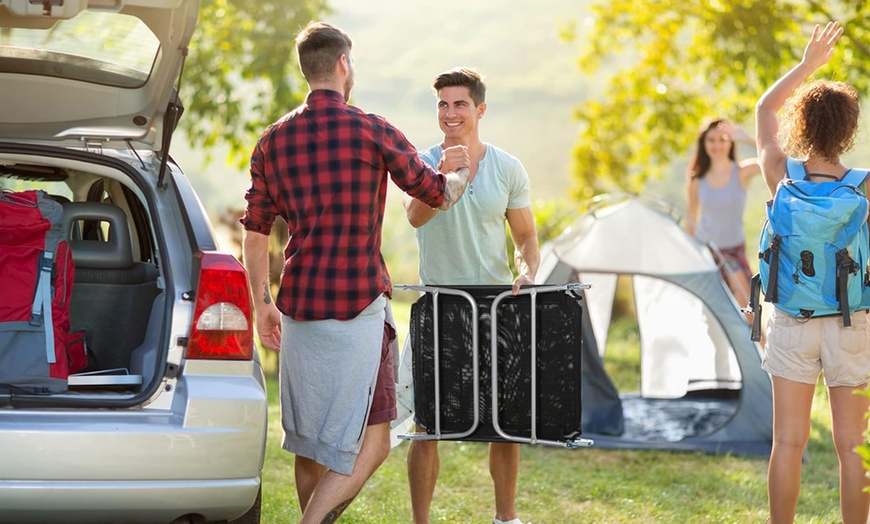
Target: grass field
(558, 486)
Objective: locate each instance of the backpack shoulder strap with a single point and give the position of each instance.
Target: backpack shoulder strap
(795, 169)
(855, 177)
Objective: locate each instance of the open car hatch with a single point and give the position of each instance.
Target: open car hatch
(105, 70)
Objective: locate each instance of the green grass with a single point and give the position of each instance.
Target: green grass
(622, 358)
(558, 486)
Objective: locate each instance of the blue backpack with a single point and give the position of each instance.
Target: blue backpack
(815, 248)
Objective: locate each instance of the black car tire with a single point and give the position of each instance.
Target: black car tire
(252, 516)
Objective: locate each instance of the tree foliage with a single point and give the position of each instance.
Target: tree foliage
(682, 61)
(242, 72)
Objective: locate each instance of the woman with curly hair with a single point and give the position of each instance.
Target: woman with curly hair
(716, 198)
(819, 124)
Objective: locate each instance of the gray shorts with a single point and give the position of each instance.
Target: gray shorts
(799, 349)
(329, 370)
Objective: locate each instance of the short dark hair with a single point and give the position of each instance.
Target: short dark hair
(821, 117)
(463, 77)
(319, 46)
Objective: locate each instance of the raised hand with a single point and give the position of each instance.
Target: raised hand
(453, 159)
(821, 45)
(737, 133)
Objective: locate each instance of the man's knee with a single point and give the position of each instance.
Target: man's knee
(504, 449)
(377, 443)
(307, 464)
(423, 448)
(382, 452)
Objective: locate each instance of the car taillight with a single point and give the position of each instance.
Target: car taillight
(222, 326)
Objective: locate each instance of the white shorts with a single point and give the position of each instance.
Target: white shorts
(799, 349)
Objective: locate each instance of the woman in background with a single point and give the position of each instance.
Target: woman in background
(716, 198)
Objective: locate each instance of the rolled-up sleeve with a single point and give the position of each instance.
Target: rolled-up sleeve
(410, 173)
(260, 210)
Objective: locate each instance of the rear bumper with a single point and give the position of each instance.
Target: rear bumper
(203, 454)
(93, 502)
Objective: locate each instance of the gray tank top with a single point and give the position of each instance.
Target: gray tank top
(722, 212)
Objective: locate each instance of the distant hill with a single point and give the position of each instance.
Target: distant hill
(534, 85)
(400, 45)
(533, 81)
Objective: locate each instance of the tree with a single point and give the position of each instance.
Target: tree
(685, 60)
(242, 72)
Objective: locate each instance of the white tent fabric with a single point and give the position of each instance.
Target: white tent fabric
(646, 235)
(694, 341)
(600, 302)
(682, 345)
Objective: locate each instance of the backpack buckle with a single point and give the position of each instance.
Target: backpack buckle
(754, 308)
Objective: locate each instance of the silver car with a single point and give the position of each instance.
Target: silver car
(167, 421)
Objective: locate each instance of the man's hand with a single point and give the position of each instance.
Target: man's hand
(269, 326)
(522, 280)
(255, 253)
(453, 159)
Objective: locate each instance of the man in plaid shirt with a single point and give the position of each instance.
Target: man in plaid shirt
(323, 168)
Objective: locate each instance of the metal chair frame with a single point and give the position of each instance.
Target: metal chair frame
(506, 295)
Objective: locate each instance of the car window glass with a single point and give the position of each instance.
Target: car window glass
(104, 48)
(57, 190)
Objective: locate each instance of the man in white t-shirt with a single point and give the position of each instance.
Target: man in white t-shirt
(473, 234)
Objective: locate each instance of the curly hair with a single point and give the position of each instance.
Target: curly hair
(821, 118)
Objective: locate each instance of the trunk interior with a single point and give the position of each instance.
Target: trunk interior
(118, 300)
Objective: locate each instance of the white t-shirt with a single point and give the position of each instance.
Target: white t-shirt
(466, 245)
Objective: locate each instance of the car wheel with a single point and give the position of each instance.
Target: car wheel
(252, 516)
(188, 519)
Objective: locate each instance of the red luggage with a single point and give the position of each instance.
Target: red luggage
(37, 352)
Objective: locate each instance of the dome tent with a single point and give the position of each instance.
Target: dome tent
(701, 385)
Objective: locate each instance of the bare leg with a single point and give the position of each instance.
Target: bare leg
(335, 491)
(423, 467)
(308, 473)
(792, 403)
(504, 463)
(849, 428)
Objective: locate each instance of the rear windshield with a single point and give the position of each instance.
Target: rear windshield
(102, 48)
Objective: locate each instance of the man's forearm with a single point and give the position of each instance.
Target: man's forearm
(527, 258)
(455, 187)
(418, 213)
(255, 253)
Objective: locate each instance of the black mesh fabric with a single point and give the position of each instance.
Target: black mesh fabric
(559, 318)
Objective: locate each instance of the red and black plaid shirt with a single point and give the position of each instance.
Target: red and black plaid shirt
(323, 168)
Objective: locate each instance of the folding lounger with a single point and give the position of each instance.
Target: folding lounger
(492, 366)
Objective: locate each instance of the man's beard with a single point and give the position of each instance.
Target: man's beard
(348, 85)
